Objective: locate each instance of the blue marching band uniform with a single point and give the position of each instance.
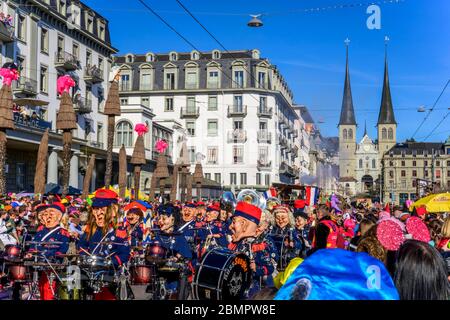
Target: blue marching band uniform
(185, 244)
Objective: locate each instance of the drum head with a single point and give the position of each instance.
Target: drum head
(237, 278)
(222, 275)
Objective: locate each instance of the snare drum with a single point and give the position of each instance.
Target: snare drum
(222, 275)
(12, 253)
(140, 272)
(156, 250)
(18, 272)
(95, 262)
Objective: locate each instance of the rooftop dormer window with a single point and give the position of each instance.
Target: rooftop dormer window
(216, 54)
(255, 54)
(150, 57)
(195, 55)
(173, 56)
(129, 58)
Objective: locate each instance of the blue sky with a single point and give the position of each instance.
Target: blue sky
(308, 48)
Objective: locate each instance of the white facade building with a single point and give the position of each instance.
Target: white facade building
(367, 164)
(235, 107)
(49, 39)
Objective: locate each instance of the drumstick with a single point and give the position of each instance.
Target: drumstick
(85, 251)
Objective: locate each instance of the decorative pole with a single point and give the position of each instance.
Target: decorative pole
(161, 171)
(41, 165)
(88, 176)
(66, 120)
(198, 175)
(138, 157)
(9, 73)
(122, 172)
(112, 109)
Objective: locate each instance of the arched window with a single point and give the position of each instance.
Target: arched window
(384, 134)
(173, 56)
(150, 57)
(350, 133)
(216, 54)
(390, 134)
(373, 164)
(344, 134)
(360, 163)
(124, 134)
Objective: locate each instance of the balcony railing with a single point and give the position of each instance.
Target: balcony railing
(93, 74)
(189, 112)
(237, 111)
(30, 123)
(66, 61)
(237, 136)
(191, 85)
(283, 141)
(6, 33)
(125, 86)
(264, 165)
(287, 169)
(213, 84)
(82, 105)
(264, 112)
(95, 144)
(264, 136)
(25, 86)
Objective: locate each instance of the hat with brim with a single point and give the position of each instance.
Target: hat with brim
(58, 206)
(300, 213)
(104, 198)
(248, 211)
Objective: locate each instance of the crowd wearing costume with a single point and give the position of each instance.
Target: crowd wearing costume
(106, 248)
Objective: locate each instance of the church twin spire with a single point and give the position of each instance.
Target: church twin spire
(386, 113)
(347, 111)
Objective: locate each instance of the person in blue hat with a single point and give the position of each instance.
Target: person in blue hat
(189, 227)
(177, 248)
(337, 274)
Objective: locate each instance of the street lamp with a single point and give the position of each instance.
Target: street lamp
(255, 22)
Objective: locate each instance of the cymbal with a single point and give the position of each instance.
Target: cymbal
(44, 264)
(43, 243)
(66, 255)
(156, 260)
(112, 242)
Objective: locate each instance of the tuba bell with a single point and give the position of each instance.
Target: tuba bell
(228, 201)
(252, 197)
(272, 202)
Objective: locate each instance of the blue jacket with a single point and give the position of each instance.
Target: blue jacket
(216, 227)
(119, 247)
(262, 255)
(59, 235)
(174, 244)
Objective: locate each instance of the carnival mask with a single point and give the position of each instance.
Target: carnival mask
(51, 217)
(99, 215)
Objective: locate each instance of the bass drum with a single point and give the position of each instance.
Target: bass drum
(222, 275)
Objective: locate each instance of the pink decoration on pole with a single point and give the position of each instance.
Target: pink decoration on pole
(64, 83)
(141, 129)
(9, 75)
(161, 146)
